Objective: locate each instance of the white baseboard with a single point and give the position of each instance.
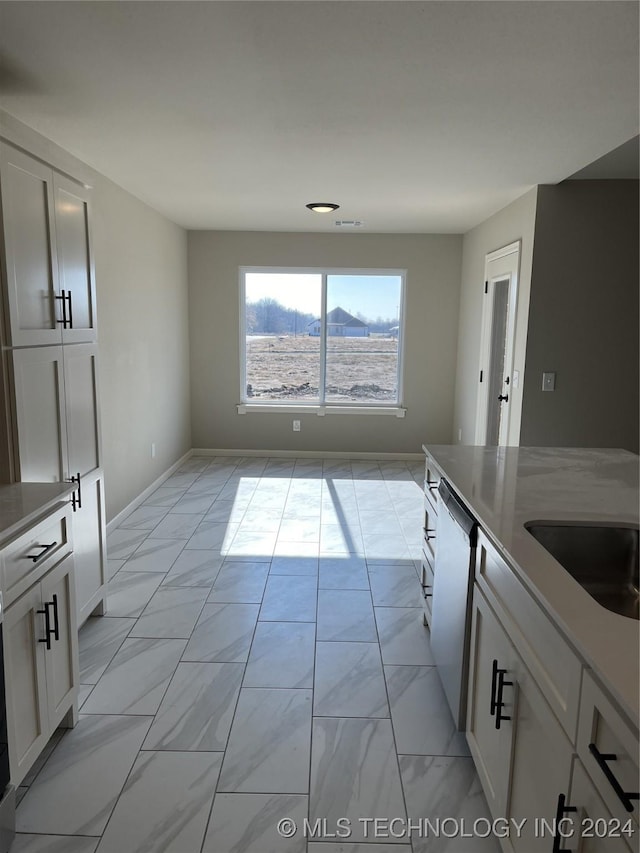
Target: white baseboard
(141, 498)
(309, 454)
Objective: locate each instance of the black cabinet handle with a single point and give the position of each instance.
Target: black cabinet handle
(503, 398)
(602, 759)
(432, 486)
(47, 625)
(76, 502)
(48, 630)
(498, 683)
(43, 553)
(561, 810)
(425, 587)
(70, 320)
(64, 320)
(427, 531)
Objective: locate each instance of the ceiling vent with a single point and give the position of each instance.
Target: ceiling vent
(349, 223)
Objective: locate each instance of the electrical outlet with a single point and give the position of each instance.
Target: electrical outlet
(548, 382)
(296, 426)
(153, 450)
(460, 435)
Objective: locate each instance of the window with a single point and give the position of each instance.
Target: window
(322, 338)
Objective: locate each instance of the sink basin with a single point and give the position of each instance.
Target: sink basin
(603, 559)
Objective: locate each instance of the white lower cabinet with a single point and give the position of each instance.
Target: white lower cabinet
(521, 752)
(594, 829)
(89, 546)
(41, 664)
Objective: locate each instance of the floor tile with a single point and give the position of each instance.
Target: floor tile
(154, 555)
(213, 535)
(136, 679)
(289, 599)
(165, 804)
(177, 525)
(349, 681)
(241, 582)
(197, 709)
(98, 640)
(171, 613)
(296, 549)
(299, 530)
(191, 504)
(416, 694)
(194, 568)
(346, 615)
(113, 567)
(376, 522)
(144, 518)
(194, 465)
(225, 510)
(261, 520)
(83, 694)
(25, 843)
(247, 823)
(268, 749)
(129, 593)
(354, 773)
(165, 496)
(121, 543)
(282, 564)
(182, 481)
(79, 785)
(384, 548)
(252, 546)
(44, 756)
(440, 787)
(346, 572)
(403, 637)
(395, 586)
(282, 655)
(338, 539)
(223, 633)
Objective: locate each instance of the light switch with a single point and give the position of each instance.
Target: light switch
(548, 382)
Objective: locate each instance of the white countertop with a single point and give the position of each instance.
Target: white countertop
(504, 487)
(22, 503)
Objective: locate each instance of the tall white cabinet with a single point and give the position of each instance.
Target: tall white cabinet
(51, 419)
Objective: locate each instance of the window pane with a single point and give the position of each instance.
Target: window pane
(282, 351)
(363, 324)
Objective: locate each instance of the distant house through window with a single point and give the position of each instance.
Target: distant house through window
(321, 337)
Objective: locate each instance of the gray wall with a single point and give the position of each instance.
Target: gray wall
(583, 319)
(514, 222)
(141, 277)
(433, 280)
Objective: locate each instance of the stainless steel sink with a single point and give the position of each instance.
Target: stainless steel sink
(603, 559)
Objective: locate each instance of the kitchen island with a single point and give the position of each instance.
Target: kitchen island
(553, 688)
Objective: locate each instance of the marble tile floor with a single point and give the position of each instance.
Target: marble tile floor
(262, 658)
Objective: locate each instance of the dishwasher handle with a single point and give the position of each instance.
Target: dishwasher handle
(458, 511)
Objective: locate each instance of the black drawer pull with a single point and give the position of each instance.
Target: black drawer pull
(498, 683)
(64, 322)
(43, 553)
(602, 758)
(561, 810)
(76, 502)
(48, 630)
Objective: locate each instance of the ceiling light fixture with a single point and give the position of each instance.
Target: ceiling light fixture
(322, 207)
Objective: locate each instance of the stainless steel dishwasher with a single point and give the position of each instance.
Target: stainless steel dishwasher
(451, 606)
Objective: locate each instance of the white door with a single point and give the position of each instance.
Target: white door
(496, 349)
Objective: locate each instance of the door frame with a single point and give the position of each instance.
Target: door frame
(482, 406)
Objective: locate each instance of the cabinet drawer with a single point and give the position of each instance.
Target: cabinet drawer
(426, 582)
(555, 667)
(431, 477)
(31, 554)
(601, 725)
(594, 825)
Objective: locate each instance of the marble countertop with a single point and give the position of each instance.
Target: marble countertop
(22, 503)
(504, 487)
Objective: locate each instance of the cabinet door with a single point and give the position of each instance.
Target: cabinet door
(40, 414)
(541, 765)
(61, 660)
(88, 526)
(26, 188)
(490, 746)
(26, 689)
(81, 404)
(75, 260)
(595, 828)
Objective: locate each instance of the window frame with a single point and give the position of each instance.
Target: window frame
(322, 406)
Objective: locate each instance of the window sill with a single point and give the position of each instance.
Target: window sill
(320, 411)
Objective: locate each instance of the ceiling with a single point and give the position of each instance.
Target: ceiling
(413, 116)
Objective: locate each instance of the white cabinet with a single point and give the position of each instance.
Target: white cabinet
(595, 829)
(40, 650)
(51, 380)
(429, 530)
(522, 755)
(47, 240)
